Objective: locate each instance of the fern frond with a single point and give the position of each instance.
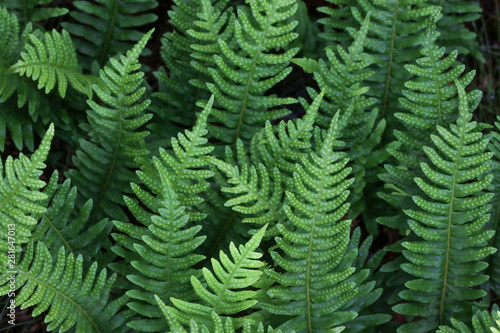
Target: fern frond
(109, 27)
(53, 61)
(72, 299)
(61, 226)
(315, 239)
(33, 10)
(19, 192)
(482, 322)
(185, 164)
(285, 145)
(256, 189)
(447, 258)
(165, 257)
(38, 104)
(429, 101)
(188, 53)
(243, 76)
(342, 78)
(212, 25)
(364, 303)
(338, 19)
(103, 163)
(256, 193)
(227, 291)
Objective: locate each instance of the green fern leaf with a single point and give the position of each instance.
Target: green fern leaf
(188, 53)
(219, 326)
(447, 259)
(34, 10)
(166, 257)
(61, 225)
(53, 61)
(108, 27)
(455, 35)
(240, 101)
(71, 298)
(314, 242)
(19, 193)
(185, 164)
(228, 291)
(39, 105)
(338, 19)
(482, 322)
(429, 101)
(102, 163)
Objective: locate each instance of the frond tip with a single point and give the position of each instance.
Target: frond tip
(19, 192)
(227, 291)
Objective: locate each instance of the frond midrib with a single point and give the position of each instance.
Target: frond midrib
(448, 241)
(42, 283)
(115, 152)
(66, 244)
(311, 238)
(250, 75)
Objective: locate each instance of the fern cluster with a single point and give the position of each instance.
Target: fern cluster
(236, 166)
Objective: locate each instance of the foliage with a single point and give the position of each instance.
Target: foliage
(246, 166)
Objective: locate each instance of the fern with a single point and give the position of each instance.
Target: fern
(455, 35)
(19, 193)
(185, 164)
(447, 259)
(430, 101)
(61, 226)
(228, 294)
(71, 298)
(313, 287)
(337, 21)
(108, 27)
(342, 78)
(54, 61)
(482, 322)
(188, 53)
(240, 103)
(38, 104)
(166, 258)
(102, 163)
(33, 10)
(256, 189)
